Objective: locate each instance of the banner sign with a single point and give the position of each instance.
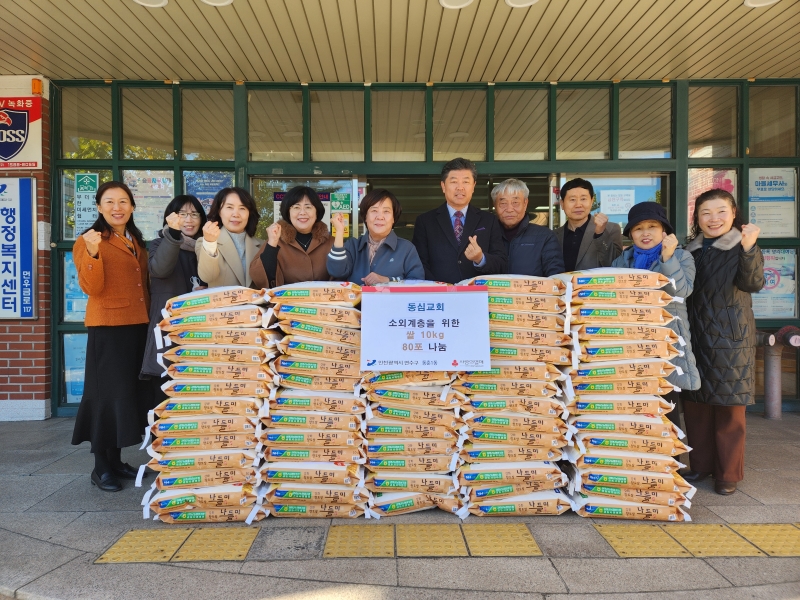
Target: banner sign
(436, 328)
(20, 133)
(772, 202)
(17, 247)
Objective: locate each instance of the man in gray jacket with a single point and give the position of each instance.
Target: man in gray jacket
(587, 242)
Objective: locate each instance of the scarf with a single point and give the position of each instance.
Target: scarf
(643, 259)
(373, 247)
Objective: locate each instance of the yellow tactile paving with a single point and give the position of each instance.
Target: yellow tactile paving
(641, 541)
(711, 540)
(375, 541)
(430, 540)
(146, 545)
(216, 543)
(775, 540)
(500, 539)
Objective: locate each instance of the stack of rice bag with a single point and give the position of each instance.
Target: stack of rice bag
(415, 426)
(312, 436)
(517, 425)
(625, 448)
(202, 439)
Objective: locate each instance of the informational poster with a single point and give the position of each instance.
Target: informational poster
(204, 185)
(773, 205)
(86, 186)
(410, 328)
(17, 247)
(778, 298)
(20, 133)
(74, 365)
(702, 180)
(340, 203)
(152, 191)
(74, 298)
(617, 202)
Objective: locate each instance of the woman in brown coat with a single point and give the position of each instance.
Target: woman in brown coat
(111, 260)
(297, 246)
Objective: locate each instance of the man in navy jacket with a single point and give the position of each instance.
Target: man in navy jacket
(457, 241)
(532, 249)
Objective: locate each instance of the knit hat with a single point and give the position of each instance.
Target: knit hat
(647, 211)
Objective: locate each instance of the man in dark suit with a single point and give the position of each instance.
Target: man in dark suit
(587, 242)
(456, 241)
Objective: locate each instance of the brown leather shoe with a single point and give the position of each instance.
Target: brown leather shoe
(725, 488)
(693, 476)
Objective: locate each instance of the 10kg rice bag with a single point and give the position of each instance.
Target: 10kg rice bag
(293, 345)
(316, 292)
(232, 495)
(626, 332)
(310, 472)
(533, 389)
(321, 331)
(607, 370)
(336, 402)
(229, 370)
(529, 337)
(611, 314)
(643, 425)
(526, 303)
(354, 454)
(310, 419)
(178, 388)
(535, 406)
(526, 320)
(626, 350)
(247, 315)
(477, 452)
(616, 278)
(317, 382)
(434, 396)
(226, 514)
(376, 379)
(652, 386)
(612, 508)
(218, 297)
(551, 354)
(426, 483)
(303, 493)
(551, 502)
(202, 459)
(669, 445)
(502, 369)
(314, 367)
(615, 296)
(217, 354)
(321, 313)
(226, 336)
(204, 405)
(519, 284)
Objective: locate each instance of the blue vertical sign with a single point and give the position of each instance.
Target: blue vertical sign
(17, 247)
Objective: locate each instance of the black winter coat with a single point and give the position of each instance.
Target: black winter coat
(171, 270)
(722, 322)
(534, 251)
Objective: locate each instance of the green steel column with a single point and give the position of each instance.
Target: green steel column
(177, 136)
(116, 129)
(680, 135)
(240, 146)
(367, 123)
(306, 124)
(744, 149)
(490, 123)
(614, 119)
(429, 123)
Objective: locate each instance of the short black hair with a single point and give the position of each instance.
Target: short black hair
(178, 202)
(576, 183)
(295, 195)
(245, 198)
(374, 197)
(459, 164)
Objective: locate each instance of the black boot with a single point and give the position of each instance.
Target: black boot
(694, 476)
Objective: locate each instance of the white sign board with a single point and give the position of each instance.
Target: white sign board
(772, 202)
(617, 202)
(778, 297)
(152, 191)
(425, 328)
(86, 186)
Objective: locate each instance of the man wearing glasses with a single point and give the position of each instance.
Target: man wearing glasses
(532, 249)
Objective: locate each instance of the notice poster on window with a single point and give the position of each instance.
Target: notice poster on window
(86, 186)
(74, 298)
(204, 185)
(778, 297)
(617, 202)
(702, 180)
(74, 365)
(152, 191)
(772, 202)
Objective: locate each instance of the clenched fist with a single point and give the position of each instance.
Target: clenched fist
(274, 234)
(749, 235)
(210, 231)
(92, 240)
(174, 221)
(473, 252)
(668, 245)
(600, 221)
(337, 221)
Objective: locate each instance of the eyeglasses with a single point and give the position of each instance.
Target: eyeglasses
(299, 207)
(194, 216)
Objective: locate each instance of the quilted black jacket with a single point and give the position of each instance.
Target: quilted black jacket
(721, 316)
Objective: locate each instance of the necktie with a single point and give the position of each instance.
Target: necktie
(458, 225)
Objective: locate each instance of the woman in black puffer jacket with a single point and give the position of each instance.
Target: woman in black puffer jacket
(730, 267)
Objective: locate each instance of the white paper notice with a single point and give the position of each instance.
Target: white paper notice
(616, 202)
(772, 202)
(152, 192)
(778, 297)
(408, 329)
(86, 185)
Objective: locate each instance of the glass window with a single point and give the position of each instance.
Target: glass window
(702, 180)
(773, 201)
(78, 190)
(74, 300)
(778, 298)
(275, 124)
(582, 123)
(207, 124)
(86, 122)
(459, 124)
(614, 195)
(520, 124)
(645, 122)
(398, 125)
(204, 185)
(713, 127)
(74, 366)
(268, 194)
(773, 121)
(337, 125)
(147, 123)
(152, 191)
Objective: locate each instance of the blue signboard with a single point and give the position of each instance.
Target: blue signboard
(204, 185)
(17, 247)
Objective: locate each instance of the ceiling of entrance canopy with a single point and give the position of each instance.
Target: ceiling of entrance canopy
(400, 40)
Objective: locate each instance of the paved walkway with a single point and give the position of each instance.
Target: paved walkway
(54, 525)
